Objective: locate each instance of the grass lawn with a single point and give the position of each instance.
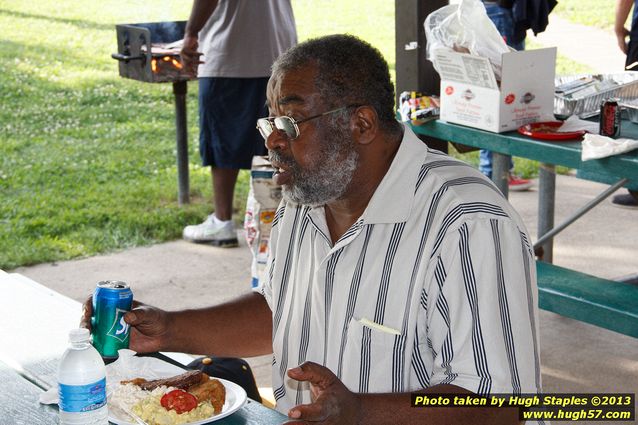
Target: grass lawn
(595, 13)
(87, 159)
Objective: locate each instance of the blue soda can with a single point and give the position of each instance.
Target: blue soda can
(111, 300)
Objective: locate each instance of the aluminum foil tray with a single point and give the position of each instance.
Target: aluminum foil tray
(631, 106)
(623, 86)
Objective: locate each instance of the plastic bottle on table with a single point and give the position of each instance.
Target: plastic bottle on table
(82, 383)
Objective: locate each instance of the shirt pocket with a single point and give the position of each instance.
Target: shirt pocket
(374, 356)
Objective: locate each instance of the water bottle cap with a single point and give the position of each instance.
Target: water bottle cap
(79, 335)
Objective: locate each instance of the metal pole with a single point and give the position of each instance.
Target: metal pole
(546, 207)
(413, 71)
(591, 204)
(501, 171)
(180, 89)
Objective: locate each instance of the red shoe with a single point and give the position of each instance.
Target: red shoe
(517, 184)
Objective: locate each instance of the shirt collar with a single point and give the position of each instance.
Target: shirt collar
(393, 199)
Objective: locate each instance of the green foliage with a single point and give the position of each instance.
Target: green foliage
(595, 13)
(87, 159)
(371, 20)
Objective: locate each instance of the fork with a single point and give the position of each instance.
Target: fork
(129, 412)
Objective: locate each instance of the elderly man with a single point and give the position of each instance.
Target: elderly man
(393, 268)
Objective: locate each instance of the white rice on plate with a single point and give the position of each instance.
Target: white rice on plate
(146, 405)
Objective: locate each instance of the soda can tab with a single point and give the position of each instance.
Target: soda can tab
(111, 300)
(610, 118)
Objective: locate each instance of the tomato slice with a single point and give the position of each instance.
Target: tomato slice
(179, 401)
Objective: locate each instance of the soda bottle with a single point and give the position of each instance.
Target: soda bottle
(82, 383)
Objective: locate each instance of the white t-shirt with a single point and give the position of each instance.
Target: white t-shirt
(243, 38)
(434, 283)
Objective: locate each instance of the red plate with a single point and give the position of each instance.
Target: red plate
(547, 130)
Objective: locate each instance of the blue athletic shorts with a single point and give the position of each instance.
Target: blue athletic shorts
(503, 20)
(228, 113)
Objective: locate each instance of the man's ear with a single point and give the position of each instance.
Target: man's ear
(365, 124)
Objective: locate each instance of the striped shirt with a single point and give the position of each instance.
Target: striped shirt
(434, 284)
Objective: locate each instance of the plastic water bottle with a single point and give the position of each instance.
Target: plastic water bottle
(82, 383)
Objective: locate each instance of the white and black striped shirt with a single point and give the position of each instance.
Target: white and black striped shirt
(435, 283)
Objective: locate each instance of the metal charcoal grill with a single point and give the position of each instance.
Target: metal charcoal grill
(149, 52)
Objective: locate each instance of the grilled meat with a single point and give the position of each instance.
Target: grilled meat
(212, 390)
(195, 382)
(183, 381)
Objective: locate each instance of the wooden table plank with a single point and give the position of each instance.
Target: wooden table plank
(34, 326)
(254, 413)
(19, 403)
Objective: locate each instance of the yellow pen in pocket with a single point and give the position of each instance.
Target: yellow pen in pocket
(382, 328)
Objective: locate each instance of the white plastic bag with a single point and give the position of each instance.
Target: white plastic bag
(465, 27)
(596, 146)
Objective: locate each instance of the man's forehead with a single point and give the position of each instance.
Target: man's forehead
(284, 100)
(295, 86)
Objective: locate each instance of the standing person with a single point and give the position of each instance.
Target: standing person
(392, 268)
(629, 199)
(501, 14)
(234, 42)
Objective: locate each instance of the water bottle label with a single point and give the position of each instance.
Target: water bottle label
(82, 398)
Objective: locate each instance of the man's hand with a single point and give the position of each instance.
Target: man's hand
(149, 326)
(87, 313)
(332, 402)
(621, 36)
(189, 55)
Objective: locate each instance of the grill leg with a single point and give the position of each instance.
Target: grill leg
(180, 89)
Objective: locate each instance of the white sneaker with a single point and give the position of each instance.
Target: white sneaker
(213, 231)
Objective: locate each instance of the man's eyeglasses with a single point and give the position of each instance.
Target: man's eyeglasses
(289, 125)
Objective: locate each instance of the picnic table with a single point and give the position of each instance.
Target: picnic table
(34, 327)
(606, 303)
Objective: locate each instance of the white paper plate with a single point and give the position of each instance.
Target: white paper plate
(235, 399)
(153, 368)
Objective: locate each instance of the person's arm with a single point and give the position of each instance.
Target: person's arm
(622, 12)
(201, 11)
(238, 328)
(333, 403)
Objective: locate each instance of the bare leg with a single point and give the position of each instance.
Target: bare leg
(224, 180)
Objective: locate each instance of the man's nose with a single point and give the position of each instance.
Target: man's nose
(276, 140)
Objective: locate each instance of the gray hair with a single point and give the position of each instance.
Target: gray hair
(350, 72)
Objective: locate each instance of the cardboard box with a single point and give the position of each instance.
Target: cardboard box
(470, 94)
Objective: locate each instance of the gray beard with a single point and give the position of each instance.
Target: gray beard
(323, 184)
(327, 178)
